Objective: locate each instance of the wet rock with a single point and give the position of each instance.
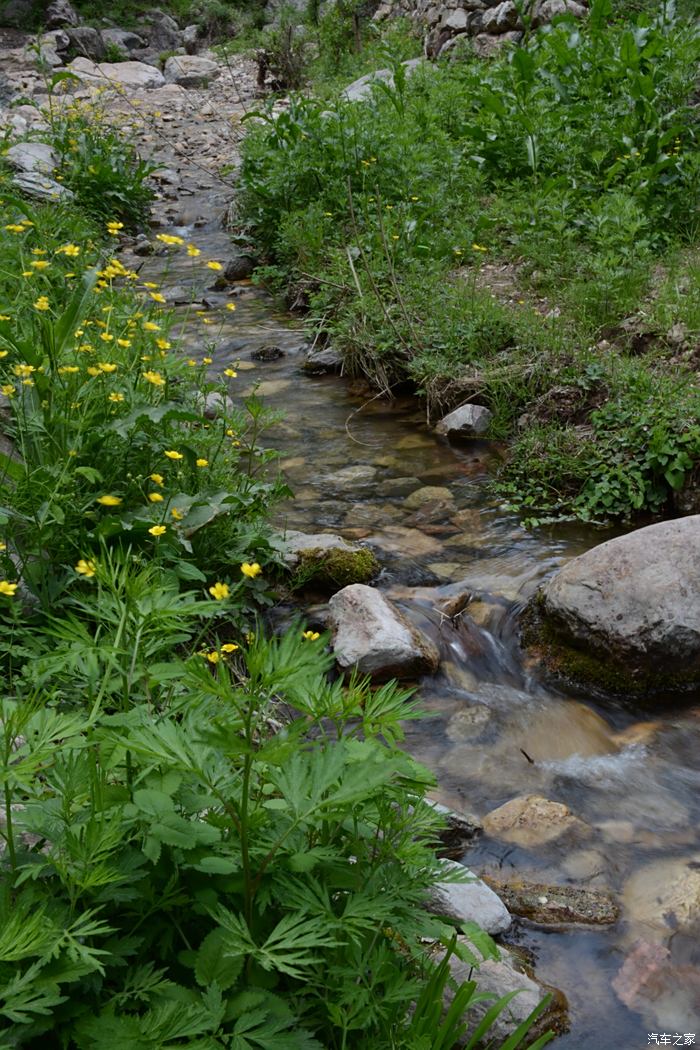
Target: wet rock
(319, 362)
(664, 897)
(556, 905)
(562, 730)
(471, 901)
(626, 614)
(60, 13)
(373, 636)
(117, 74)
(665, 993)
(427, 494)
(468, 723)
(459, 832)
(532, 821)
(35, 157)
(124, 39)
(268, 353)
(190, 71)
(398, 539)
(467, 421)
(239, 268)
(496, 979)
(349, 477)
(87, 41)
(326, 559)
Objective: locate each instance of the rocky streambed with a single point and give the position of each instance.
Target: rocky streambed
(580, 814)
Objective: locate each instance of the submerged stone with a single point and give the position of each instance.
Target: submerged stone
(555, 905)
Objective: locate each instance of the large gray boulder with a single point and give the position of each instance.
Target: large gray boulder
(32, 157)
(84, 40)
(370, 634)
(496, 978)
(117, 74)
(466, 421)
(363, 88)
(468, 901)
(190, 71)
(326, 559)
(59, 14)
(124, 39)
(633, 605)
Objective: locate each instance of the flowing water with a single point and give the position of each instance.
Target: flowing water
(494, 728)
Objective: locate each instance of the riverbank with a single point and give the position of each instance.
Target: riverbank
(517, 233)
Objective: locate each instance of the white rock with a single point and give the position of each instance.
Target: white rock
(471, 901)
(117, 74)
(32, 157)
(293, 545)
(362, 89)
(372, 635)
(190, 71)
(41, 187)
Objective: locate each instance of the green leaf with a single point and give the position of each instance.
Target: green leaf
(213, 964)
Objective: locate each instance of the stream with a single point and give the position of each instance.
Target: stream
(493, 728)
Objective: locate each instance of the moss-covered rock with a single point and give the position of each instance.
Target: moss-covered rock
(326, 560)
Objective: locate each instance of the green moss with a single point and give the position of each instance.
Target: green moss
(605, 675)
(335, 568)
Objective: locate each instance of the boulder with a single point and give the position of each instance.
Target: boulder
(117, 74)
(457, 21)
(555, 905)
(59, 14)
(190, 71)
(190, 36)
(467, 421)
(124, 39)
(87, 41)
(163, 31)
(548, 9)
(57, 40)
(41, 187)
(664, 897)
(626, 614)
(502, 18)
(370, 634)
(363, 88)
(498, 978)
(37, 157)
(532, 821)
(326, 559)
(471, 901)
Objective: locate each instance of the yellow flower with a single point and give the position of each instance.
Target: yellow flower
(229, 647)
(231, 307)
(157, 478)
(8, 589)
(177, 514)
(157, 297)
(169, 238)
(107, 366)
(4, 353)
(13, 227)
(106, 337)
(5, 317)
(172, 454)
(85, 568)
(40, 264)
(42, 303)
(154, 377)
(251, 570)
(230, 372)
(68, 370)
(163, 344)
(68, 249)
(93, 370)
(207, 360)
(124, 342)
(220, 591)
(28, 382)
(155, 497)
(149, 284)
(191, 362)
(27, 273)
(23, 370)
(151, 326)
(8, 390)
(193, 251)
(479, 248)
(214, 265)
(213, 658)
(114, 227)
(3, 546)
(116, 398)
(158, 530)
(109, 501)
(207, 320)
(310, 636)
(202, 462)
